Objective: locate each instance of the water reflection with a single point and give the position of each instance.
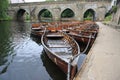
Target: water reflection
(21, 55)
(6, 47)
(36, 39)
(52, 69)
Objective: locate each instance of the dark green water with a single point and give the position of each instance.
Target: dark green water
(22, 56)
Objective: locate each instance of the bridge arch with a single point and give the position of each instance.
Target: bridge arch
(45, 15)
(67, 13)
(22, 14)
(89, 14)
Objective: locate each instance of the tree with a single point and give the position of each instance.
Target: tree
(3, 9)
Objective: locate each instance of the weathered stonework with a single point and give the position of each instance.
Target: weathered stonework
(116, 16)
(56, 8)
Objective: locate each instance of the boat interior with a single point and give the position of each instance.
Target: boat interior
(61, 45)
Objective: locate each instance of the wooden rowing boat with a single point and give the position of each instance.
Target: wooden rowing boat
(38, 33)
(82, 37)
(37, 29)
(83, 34)
(63, 50)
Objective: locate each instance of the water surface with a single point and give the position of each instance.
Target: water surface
(22, 56)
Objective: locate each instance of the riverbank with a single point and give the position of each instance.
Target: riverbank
(112, 25)
(102, 62)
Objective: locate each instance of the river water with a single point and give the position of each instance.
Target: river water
(22, 56)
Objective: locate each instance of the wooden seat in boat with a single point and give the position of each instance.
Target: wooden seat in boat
(61, 51)
(54, 36)
(58, 43)
(58, 46)
(36, 28)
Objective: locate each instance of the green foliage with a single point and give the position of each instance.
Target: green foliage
(27, 17)
(88, 14)
(108, 18)
(6, 18)
(88, 18)
(3, 9)
(47, 14)
(114, 9)
(5, 33)
(67, 13)
(4, 4)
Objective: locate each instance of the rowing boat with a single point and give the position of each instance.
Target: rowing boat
(37, 29)
(63, 50)
(85, 33)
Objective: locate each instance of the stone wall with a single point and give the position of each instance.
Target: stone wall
(116, 16)
(56, 8)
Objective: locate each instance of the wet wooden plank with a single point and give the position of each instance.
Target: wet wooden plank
(54, 35)
(59, 46)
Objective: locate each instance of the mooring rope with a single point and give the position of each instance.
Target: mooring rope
(69, 68)
(84, 49)
(71, 59)
(90, 37)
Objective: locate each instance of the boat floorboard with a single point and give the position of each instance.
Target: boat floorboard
(58, 43)
(60, 47)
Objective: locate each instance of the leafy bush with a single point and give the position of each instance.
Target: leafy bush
(3, 9)
(108, 18)
(27, 17)
(88, 18)
(114, 9)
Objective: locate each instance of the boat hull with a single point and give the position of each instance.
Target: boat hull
(82, 39)
(55, 47)
(37, 33)
(62, 64)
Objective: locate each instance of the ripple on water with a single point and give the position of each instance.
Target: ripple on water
(21, 56)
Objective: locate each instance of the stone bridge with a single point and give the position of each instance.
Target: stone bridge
(98, 9)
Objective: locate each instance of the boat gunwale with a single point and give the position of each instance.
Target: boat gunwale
(55, 53)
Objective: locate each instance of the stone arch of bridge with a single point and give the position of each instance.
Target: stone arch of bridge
(45, 14)
(22, 14)
(67, 13)
(89, 14)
